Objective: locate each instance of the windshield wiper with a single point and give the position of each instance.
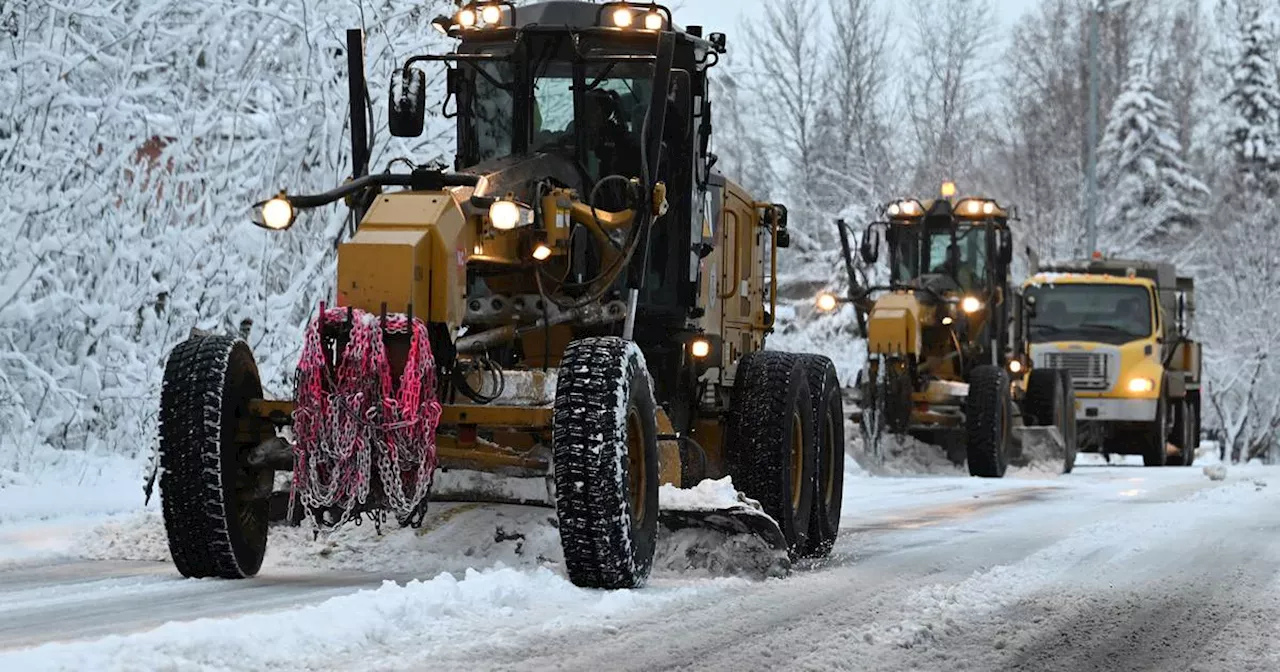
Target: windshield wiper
(1108, 327)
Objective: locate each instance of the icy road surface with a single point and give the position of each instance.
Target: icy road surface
(1112, 567)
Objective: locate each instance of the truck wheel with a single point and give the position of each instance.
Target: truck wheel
(1069, 428)
(987, 422)
(1183, 437)
(1154, 452)
(1046, 405)
(605, 448)
(769, 446)
(828, 425)
(215, 507)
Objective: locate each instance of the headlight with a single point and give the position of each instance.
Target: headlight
(970, 304)
(1015, 366)
(492, 15)
(622, 17)
(988, 208)
(506, 215)
(1141, 385)
(827, 302)
(974, 207)
(894, 209)
(467, 18)
(542, 252)
(699, 348)
(276, 214)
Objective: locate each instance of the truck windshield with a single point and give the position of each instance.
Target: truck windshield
(1091, 312)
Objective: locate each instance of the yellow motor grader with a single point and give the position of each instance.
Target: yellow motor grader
(947, 360)
(581, 303)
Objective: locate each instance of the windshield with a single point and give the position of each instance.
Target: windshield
(1091, 312)
(971, 242)
(608, 114)
(610, 98)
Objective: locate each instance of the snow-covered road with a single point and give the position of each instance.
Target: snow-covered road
(1112, 567)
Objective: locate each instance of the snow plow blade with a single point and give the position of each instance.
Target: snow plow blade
(1038, 445)
(737, 520)
(738, 540)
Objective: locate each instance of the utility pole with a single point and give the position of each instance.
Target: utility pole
(1091, 160)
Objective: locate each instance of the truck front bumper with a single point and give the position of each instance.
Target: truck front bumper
(1116, 410)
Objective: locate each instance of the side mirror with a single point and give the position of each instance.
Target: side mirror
(1029, 306)
(784, 238)
(406, 111)
(717, 41)
(870, 248)
(1005, 250)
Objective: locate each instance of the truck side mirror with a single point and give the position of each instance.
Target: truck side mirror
(1029, 306)
(717, 41)
(870, 247)
(1182, 314)
(406, 111)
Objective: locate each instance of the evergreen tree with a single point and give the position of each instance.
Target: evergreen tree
(1149, 191)
(1254, 102)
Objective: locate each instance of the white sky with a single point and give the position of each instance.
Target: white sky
(722, 15)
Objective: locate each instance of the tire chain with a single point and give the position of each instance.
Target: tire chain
(348, 419)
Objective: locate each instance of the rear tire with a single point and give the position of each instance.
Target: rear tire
(769, 446)
(605, 448)
(987, 422)
(828, 424)
(216, 525)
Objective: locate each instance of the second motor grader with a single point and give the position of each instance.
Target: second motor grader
(947, 358)
(581, 302)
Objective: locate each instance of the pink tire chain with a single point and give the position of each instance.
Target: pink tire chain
(348, 421)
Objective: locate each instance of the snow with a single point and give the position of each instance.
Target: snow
(368, 625)
(708, 495)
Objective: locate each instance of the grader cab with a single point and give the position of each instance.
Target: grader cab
(947, 362)
(572, 316)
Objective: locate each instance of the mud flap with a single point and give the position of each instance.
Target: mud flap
(1037, 445)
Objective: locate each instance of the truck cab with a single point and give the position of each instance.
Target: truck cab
(1123, 330)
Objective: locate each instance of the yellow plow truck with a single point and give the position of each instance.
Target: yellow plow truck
(1123, 330)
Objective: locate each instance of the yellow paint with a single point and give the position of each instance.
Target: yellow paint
(893, 327)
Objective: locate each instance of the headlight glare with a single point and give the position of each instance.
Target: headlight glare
(1140, 385)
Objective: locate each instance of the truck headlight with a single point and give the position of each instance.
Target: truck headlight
(1139, 385)
(970, 304)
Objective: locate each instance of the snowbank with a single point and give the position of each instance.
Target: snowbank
(365, 626)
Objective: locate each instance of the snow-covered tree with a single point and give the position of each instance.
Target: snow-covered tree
(133, 139)
(1254, 100)
(1148, 191)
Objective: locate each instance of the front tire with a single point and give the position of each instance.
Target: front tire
(1185, 437)
(769, 446)
(1155, 452)
(828, 424)
(605, 448)
(215, 521)
(987, 422)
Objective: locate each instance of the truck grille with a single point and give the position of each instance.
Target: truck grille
(1089, 370)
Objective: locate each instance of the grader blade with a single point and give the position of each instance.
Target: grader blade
(741, 519)
(1038, 445)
